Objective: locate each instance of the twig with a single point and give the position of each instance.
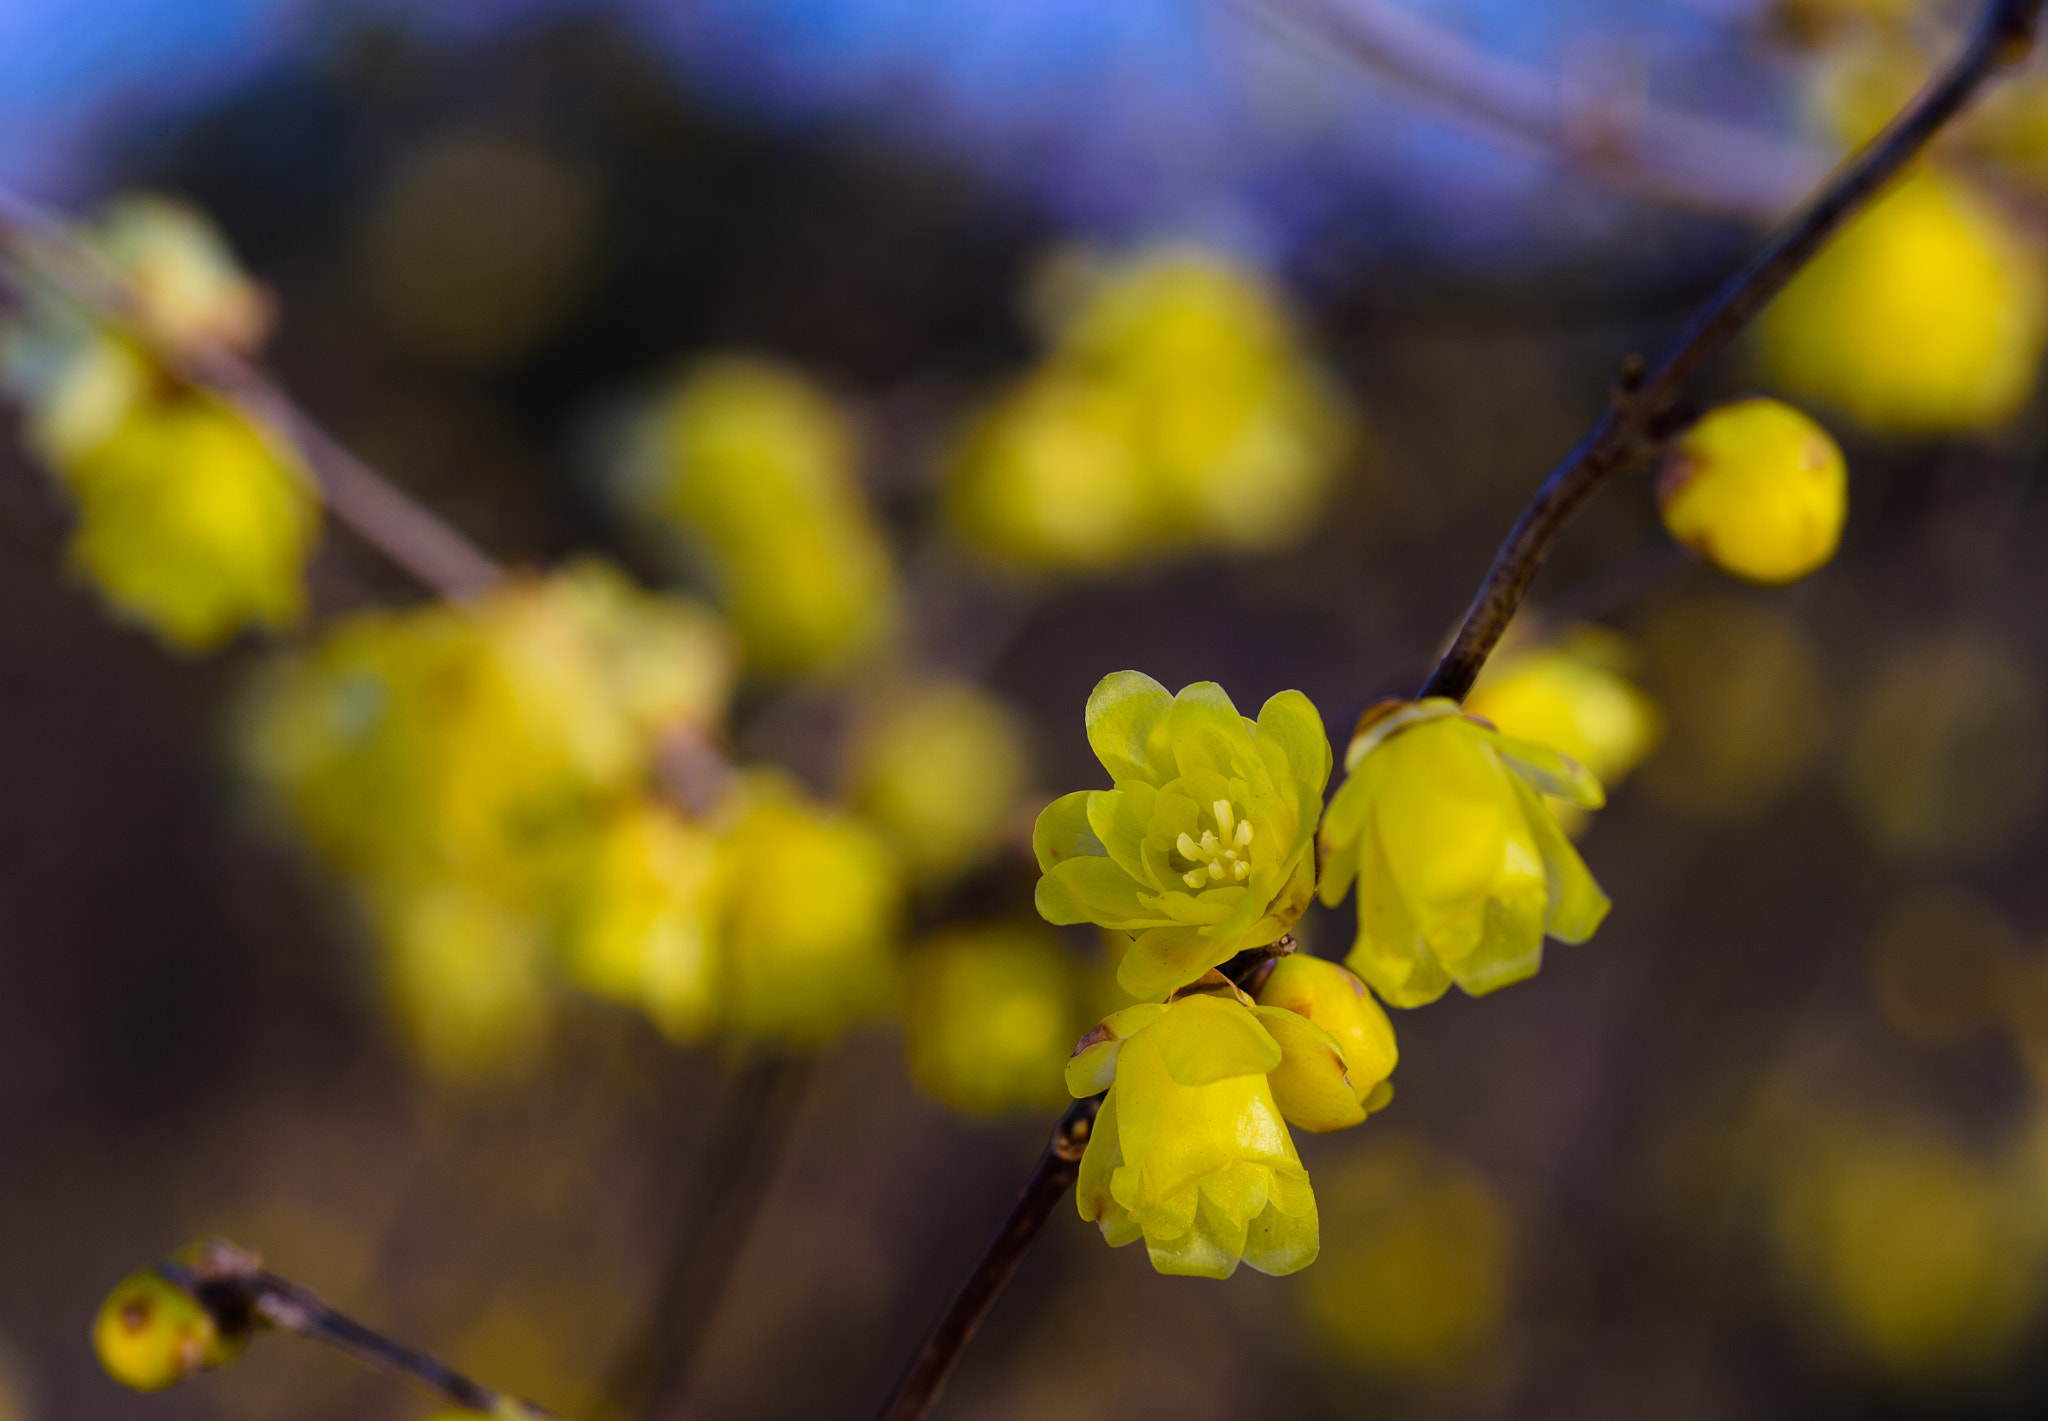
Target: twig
(1050, 1180)
(1642, 411)
(1633, 427)
(737, 1165)
(242, 1296)
(375, 509)
(1678, 158)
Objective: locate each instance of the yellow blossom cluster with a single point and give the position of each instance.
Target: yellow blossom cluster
(1175, 411)
(480, 774)
(191, 520)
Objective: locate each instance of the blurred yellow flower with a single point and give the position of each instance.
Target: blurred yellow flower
(1414, 1276)
(1461, 867)
(1745, 702)
(1926, 314)
(638, 920)
(178, 270)
(150, 1333)
(1574, 694)
(192, 522)
(809, 911)
(1190, 1151)
(1914, 1252)
(1206, 845)
(991, 1014)
(1174, 412)
(465, 972)
(940, 768)
(1757, 489)
(751, 469)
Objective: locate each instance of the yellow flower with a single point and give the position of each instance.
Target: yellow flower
(1338, 1005)
(809, 905)
(464, 969)
(1576, 696)
(1175, 412)
(191, 522)
(150, 1333)
(639, 923)
(752, 471)
(1461, 868)
(940, 769)
(179, 271)
(1927, 314)
(1758, 490)
(1205, 847)
(991, 1016)
(1190, 1151)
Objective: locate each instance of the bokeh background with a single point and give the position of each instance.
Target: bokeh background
(1772, 1144)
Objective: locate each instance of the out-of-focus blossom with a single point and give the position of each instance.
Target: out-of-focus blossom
(1576, 695)
(1926, 314)
(1190, 1151)
(638, 920)
(940, 768)
(477, 247)
(1338, 1004)
(1206, 845)
(1174, 412)
(150, 1333)
(1912, 1252)
(751, 470)
(1461, 868)
(809, 911)
(1746, 706)
(464, 968)
(1941, 964)
(1949, 750)
(1758, 490)
(1414, 1275)
(192, 522)
(990, 1016)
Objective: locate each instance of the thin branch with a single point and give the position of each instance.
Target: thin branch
(1639, 419)
(1679, 158)
(1051, 1178)
(242, 1297)
(1643, 412)
(376, 510)
(737, 1164)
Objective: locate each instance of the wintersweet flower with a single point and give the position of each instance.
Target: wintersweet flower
(1190, 1152)
(1461, 868)
(1205, 847)
(150, 1333)
(1757, 489)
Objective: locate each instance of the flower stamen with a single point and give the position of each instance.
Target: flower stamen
(1224, 852)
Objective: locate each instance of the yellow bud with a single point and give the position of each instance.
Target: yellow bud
(1926, 314)
(179, 270)
(1757, 489)
(1339, 1003)
(150, 1333)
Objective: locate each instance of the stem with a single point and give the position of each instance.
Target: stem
(1639, 418)
(1050, 1179)
(1680, 158)
(745, 1144)
(233, 1286)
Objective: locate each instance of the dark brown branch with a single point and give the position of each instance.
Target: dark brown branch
(1051, 1178)
(736, 1168)
(1677, 158)
(1640, 415)
(243, 1297)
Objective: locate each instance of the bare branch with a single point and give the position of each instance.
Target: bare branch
(1640, 418)
(242, 1297)
(1679, 158)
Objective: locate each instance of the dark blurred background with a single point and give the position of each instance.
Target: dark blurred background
(1582, 1202)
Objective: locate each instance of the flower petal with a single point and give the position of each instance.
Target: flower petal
(1309, 1085)
(1162, 958)
(1551, 771)
(1091, 890)
(1126, 724)
(1577, 906)
(1204, 1039)
(1205, 733)
(1099, 1161)
(1062, 831)
(1291, 721)
(1279, 1242)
